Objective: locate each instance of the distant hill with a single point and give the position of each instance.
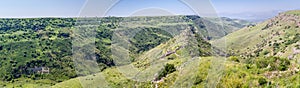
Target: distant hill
(214, 28)
(256, 17)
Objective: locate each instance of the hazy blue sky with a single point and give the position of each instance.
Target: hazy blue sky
(69, 8)
(236, 6)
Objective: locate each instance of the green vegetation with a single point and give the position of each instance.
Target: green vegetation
(274, 63)
(274, 37)
(270, 57)
(294, 12)
(168, 51)
(148, 38)
(169, 68)
(28, 44)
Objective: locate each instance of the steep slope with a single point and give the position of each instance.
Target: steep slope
(263, 55)
(256, 62)
(150, 67)
(278, 36)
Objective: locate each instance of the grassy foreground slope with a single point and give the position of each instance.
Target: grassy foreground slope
(195, 74)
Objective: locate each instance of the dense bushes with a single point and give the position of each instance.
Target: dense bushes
(148, 38)
(204, 47)
(103, 42)
(169, 68)
(262, 81)
(34, 24)
(44, 42)
(273, 63)
(234, 58)
(31, 54)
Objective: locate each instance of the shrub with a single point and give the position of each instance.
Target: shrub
(234, 58)
(276, 63)
(169, 68)
(266, 52)
(198, 80)
(262, 81)
(148, 38)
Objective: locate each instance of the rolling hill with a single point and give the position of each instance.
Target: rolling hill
(267, 52)
(258, 57)
(278, 36)
(151, 52)
(29, 45)
(162, 66)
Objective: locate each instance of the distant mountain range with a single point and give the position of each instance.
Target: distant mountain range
(253, 16)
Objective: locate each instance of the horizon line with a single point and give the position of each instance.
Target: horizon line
(102, 16)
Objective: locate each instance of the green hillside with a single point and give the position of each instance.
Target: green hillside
(268, 52)
(169, 51)
(150, 52)
(28, 45)
(31, 44)
(178, 69)
(278, 36)
(158, 60)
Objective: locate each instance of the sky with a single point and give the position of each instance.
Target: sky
(237, 6)
(73, 8)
